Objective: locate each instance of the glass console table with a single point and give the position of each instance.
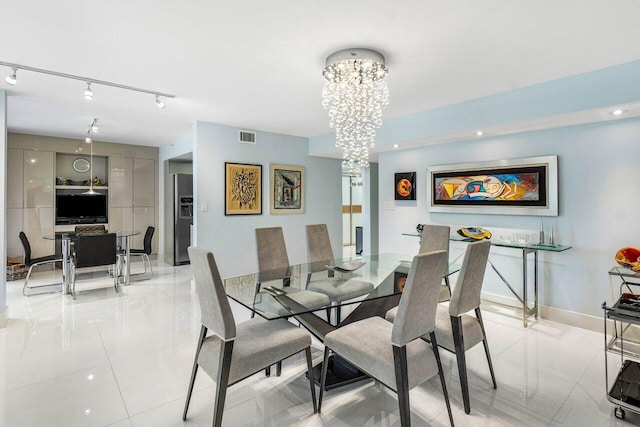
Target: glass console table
(527, 249)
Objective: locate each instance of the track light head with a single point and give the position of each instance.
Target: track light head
(159, 103)
(87, 140)
(88, 93)
(12, 79)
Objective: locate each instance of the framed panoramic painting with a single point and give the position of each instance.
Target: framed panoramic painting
(243, 189)
(526, 186)
(405, 186)
(287, 189)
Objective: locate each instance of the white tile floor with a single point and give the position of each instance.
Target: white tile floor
(124, 360)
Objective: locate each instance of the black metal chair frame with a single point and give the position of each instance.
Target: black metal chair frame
(28, 261)
(144, 253)
(78, 260)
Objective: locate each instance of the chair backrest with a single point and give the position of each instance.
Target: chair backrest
(90, 230)
(319, 251)
(434, 238)
(96, 250)
(148, 237)
(466, 293)
(215, 311)
(417, 309)
(273, 261)
(27, 248)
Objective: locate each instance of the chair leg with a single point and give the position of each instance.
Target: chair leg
(150, 266)
(402, 384)
(323, 376)
(253, 313)
(73, 280)
(194, 371)
(458, 341)
(222, 382)
(24, 288)
(486, 348)
(279, 368)
(329, 315)
(311, 379)
(338, 314)
(436, 352)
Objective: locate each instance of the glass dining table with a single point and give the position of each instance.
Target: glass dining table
(67, 237)
(272, 295)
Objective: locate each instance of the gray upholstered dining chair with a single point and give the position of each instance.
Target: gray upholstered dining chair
(457, 331)
(273, 264)
(394, 353)
(236, 351)
(436, 238)
(94, 251)
(320, 254)
(34, 262)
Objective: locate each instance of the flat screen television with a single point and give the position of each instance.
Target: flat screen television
(81, 209)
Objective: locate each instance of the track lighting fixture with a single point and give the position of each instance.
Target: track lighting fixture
(94, 126)
(87, 139)
(12, 79)
(159, 103)
(88, 93)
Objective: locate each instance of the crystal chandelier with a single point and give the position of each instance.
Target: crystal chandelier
(355, 93)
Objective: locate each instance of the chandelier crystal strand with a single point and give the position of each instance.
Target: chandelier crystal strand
(355, 93)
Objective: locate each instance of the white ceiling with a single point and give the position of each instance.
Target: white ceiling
(257, 64)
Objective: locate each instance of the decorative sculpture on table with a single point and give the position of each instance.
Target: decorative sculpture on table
(629, 257)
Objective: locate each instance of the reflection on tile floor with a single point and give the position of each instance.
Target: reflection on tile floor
(123, 359)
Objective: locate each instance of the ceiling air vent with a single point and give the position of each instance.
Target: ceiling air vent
(247, 137)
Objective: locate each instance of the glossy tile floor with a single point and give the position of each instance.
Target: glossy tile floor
(124, 359)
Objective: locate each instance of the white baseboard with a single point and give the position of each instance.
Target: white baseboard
(571, 318)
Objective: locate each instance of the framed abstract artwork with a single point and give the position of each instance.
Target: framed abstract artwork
(287, 189)
(243, 189)
(526, 186)
(405, 186)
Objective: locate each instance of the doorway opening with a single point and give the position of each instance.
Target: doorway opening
(352, 214)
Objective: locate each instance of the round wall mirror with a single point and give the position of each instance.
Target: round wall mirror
(81, 165)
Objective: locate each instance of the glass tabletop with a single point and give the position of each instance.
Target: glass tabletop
(506, 243)
(71, 235)
(283, 293)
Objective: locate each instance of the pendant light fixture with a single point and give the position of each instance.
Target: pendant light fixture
(94, 125)
(355, 93)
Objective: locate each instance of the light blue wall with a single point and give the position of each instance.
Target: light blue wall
(598, 199)
(232, 238)
(3, 215)
(597, 89)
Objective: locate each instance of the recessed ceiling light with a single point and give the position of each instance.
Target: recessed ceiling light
(395, 145)
(479, 133)
(618, 112)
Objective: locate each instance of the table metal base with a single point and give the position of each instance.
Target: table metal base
(339, 373)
